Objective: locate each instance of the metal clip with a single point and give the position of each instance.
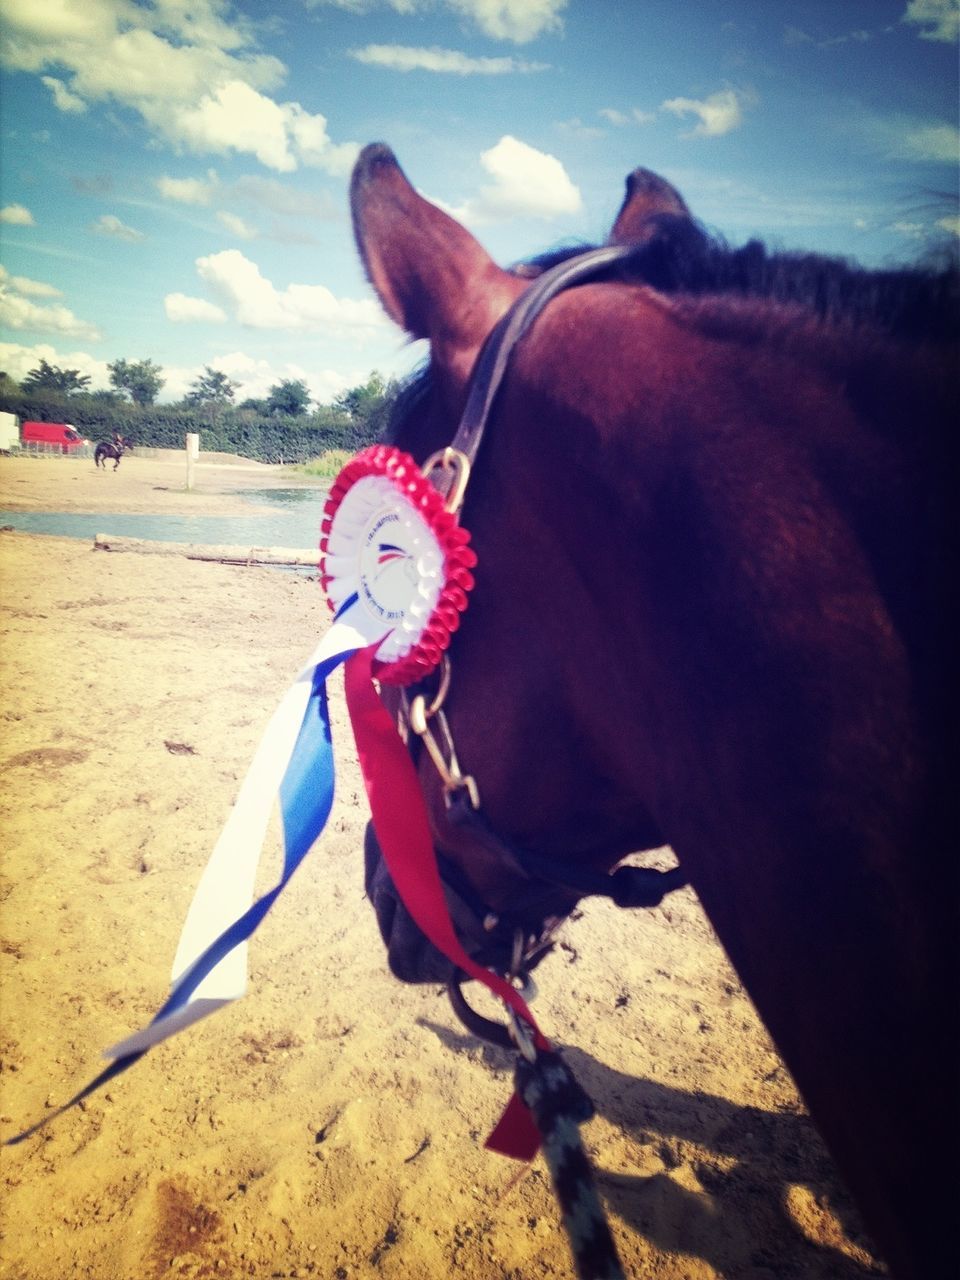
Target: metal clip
(450, 460)
(439, 698)
(444, 756)
(521, 1034)
(520, 1031)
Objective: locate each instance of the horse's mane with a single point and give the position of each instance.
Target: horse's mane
(914, 304)
(679, 258)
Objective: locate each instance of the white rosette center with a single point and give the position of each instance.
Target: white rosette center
(381, 551)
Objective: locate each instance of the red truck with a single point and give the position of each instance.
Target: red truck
(51, 433)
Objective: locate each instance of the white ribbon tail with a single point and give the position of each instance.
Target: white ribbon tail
(226, 887)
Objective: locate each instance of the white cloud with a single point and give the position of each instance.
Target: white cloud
(719, 114)
(201, 22)
(193, 78)
(939, 19)
(31, 288)
(526, 183)
(63, 99)
(256, 376)
(939, 142)
(921, 141)
(236, 117)
(951, 224)
(18, 312)
(18, 360)
(516, 20)
(16, 215)
(253, 300)
(123, 58)
(108, 224)
(30, 25)
(398, 57)
(236, 226)
(308, 134)
(912, 230)
(621, 118)
(189, 190)
(182, 309)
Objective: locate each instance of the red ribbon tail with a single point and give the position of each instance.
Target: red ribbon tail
(403, 833)
(516, 1134)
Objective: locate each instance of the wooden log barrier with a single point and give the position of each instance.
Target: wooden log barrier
(220, 554)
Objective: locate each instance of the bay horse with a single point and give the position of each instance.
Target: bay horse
(711, 517)
(115, 450)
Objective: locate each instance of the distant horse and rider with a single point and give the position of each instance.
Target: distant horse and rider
(114, 449)
(712, 514)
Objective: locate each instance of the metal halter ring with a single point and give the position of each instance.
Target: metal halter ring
(450, 460)
(429, 710)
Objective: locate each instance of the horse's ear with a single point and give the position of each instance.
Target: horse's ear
(432, 276)
(648, 197)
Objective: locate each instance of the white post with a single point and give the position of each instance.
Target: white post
(193, 453)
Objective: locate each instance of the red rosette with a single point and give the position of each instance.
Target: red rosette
(390, 547)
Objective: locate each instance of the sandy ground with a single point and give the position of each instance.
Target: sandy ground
(331, 1123)
(138, 485)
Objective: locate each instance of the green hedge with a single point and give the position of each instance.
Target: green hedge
(240, 431)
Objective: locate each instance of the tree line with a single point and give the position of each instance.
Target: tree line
(279, 427)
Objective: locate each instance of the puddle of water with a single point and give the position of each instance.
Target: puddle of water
(286, 498)
(293, 522)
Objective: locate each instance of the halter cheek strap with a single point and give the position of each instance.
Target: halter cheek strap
(495, 356)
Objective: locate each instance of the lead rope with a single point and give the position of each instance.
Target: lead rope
(559, 1106)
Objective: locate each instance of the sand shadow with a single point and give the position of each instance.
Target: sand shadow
(746, 1161)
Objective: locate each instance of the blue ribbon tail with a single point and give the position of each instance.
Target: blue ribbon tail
(306, 797)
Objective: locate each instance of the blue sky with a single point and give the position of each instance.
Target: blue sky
(173, 175)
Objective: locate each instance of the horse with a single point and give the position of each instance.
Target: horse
(711, 513)
(114, 450)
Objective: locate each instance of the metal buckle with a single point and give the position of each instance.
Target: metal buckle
(455, 463)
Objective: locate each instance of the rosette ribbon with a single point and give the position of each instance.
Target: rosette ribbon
(396, 567)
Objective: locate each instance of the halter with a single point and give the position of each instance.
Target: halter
(506, 939)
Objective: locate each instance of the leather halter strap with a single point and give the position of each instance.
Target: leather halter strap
(493, 359)
(628, 886)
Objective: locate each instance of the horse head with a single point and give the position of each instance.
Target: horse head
(709, 513)
(522, 674)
